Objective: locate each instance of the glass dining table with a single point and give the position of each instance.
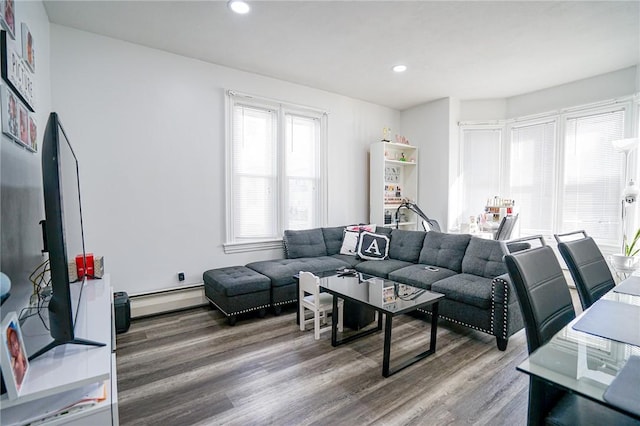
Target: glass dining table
(587, 364)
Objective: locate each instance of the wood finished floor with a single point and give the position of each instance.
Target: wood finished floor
(191, 368)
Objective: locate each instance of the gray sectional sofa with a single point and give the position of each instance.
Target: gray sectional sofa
(468, 270)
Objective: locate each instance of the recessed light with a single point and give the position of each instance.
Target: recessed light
(399, 68)
(239, 6)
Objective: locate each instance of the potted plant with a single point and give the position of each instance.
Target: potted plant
(627, 260)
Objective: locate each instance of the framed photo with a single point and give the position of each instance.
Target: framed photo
(15, 71)
(23, 119)
(33, 133)
(7, 16)
(28, 48)
(10, 124)
(15, 365)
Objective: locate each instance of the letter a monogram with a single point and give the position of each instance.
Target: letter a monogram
(373, 248)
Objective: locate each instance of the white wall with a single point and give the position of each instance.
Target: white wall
(21, 176)
(148, 128)
(427, 126)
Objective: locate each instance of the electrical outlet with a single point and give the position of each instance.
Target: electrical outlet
(180, 276)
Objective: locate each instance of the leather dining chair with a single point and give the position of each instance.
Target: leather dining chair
(546, 307)
(321, 304)
(587, 266)
(506, 227)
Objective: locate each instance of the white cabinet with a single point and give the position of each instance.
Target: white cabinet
(65, 374)
(393, 177)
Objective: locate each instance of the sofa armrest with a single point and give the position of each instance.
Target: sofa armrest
(506, 315)
(502, 290)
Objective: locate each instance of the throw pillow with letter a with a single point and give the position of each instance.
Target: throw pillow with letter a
(373, 246)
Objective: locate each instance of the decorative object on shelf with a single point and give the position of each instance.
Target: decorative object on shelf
(7, 16)
(15, 365)
(15, 71)
(386, 131)
(630, 191)
(402, 140)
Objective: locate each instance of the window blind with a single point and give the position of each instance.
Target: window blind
(481, 174)
(533, 175)
(302, 137)
(254, 173)
(593, 176)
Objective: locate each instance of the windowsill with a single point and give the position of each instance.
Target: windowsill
(230, 248)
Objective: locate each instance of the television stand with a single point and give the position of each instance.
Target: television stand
(56, 343)
(64, 374)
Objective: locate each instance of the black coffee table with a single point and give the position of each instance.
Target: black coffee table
(389, 299)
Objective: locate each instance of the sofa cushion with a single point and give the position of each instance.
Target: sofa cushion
(235, 280)
(380, 268)
(373, 246)
(484, 258)
(281, 271)
(304, 243)
(419, 276)
(444, 250)
(384, 230)
(466, 288)
(333, 239)
(406, 245)
(349, 243)
(351, 260)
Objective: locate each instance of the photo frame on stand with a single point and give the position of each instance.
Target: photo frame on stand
(15, 364)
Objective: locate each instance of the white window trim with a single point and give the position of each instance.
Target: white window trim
(283, 108)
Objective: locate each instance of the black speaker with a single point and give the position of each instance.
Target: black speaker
(122, 307)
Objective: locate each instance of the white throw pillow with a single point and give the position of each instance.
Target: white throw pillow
(349, 242)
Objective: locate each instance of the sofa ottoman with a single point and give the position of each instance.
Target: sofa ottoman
(236, 290)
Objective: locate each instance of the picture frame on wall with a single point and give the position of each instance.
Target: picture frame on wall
(23, 119)
(10, 119)
(8, 16)
(15, 71)
(33, 133)
(28, 48)
(13, 354)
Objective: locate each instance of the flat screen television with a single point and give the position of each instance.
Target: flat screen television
(64, 233)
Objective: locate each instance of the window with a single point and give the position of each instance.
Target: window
(593, 176)
(481, 166)
(563, 172)
(532, 176)
(274, 176)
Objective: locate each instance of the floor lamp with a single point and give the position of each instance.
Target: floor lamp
(630, 191)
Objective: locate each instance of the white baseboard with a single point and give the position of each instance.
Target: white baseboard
(167, 301)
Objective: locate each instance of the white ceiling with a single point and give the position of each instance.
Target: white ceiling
(463, 49)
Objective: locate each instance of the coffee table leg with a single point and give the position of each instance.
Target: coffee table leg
(334, 322)
(387, 344)
(386, 369)
(434, 326)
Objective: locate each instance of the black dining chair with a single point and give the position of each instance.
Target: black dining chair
(587, 266)
(546, 307)
(506, 227)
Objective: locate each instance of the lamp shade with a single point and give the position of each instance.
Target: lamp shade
(625, 145)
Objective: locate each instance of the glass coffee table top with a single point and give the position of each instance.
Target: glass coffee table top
(382, 294)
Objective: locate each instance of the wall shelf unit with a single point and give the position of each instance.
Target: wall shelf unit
(393, 177)
(65, 374)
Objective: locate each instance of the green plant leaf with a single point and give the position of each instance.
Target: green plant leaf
(629, 249)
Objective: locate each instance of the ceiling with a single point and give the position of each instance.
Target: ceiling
(463, 49)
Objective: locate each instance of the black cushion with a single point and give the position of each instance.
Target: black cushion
(465, 288)
(281, 271)
(333, 239)
(406, 245)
